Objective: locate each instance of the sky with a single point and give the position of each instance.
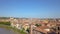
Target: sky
(30, 8)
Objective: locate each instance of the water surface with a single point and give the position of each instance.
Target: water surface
(6, 31)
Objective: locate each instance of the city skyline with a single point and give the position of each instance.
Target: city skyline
(30, 8)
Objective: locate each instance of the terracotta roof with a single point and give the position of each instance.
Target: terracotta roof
(58, 24)
(42, 29)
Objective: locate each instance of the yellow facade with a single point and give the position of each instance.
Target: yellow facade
(25, 27)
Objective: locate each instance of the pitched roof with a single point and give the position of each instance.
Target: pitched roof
(42, 29)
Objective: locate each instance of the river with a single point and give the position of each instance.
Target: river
(7, 31)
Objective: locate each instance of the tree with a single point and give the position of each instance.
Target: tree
(37, 25)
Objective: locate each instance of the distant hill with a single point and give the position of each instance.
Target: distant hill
(28, 18)
(8, 17)
(4, 17)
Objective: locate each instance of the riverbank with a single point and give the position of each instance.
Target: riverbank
(14, 29)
